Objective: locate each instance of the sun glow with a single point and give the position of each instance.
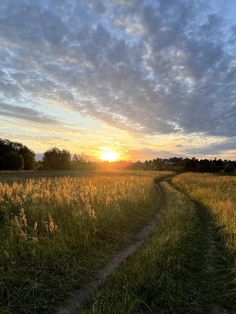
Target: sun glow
(109, 156)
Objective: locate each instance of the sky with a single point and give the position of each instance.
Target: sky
(142, 78)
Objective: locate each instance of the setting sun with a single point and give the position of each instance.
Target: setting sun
(109, 156)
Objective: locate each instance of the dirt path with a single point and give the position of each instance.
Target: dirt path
(210, 247)
(78, 297)
(209, 262)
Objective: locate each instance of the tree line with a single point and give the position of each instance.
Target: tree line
(16, 156)
(61, 159)
(180, 164)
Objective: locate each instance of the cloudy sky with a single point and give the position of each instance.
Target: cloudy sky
(144, 78)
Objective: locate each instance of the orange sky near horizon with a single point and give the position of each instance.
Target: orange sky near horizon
(95, 138)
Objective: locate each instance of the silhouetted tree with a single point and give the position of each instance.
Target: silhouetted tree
(57, 159)
(29, 161)
(190, 164)
(12, 153)
(14, 161)
(179, 164)
(204, 165)
(80, 162)
(229, 167)
(157, 163)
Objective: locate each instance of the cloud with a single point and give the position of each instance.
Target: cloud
(26, 114)
(215, 149)
(147, 154)
(99, 7)
(151, 67)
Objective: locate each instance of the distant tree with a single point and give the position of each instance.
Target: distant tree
(57, 159)
(179, 164)
(176, 159)
(80, 158)
(80, 162)
(216, 165)
(14, 161)
(229, 167)
(204, 165)
(10, 152)
(190, 164)
(138, 165)
(157, 163)
(29, 161)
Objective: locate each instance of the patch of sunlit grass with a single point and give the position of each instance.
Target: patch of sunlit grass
(55, 232)
(218, 194)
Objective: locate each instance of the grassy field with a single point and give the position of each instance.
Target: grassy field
(166, 275)
(187, 265)
(218, 195)
(56, 230)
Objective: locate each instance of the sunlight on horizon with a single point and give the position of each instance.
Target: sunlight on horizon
(109, 156)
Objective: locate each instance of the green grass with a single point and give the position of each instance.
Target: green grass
(84, 218)
(21, 176)
(167, 275)
(217, 195)
(56, 232)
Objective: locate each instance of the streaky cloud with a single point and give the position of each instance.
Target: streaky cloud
(26, 114)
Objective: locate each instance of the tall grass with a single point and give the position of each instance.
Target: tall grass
(166, 275)
(184, 266)
(55, 232)
(218, 194)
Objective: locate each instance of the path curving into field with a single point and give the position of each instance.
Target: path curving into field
(78, 297)
(210, 246)
(207, 277)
